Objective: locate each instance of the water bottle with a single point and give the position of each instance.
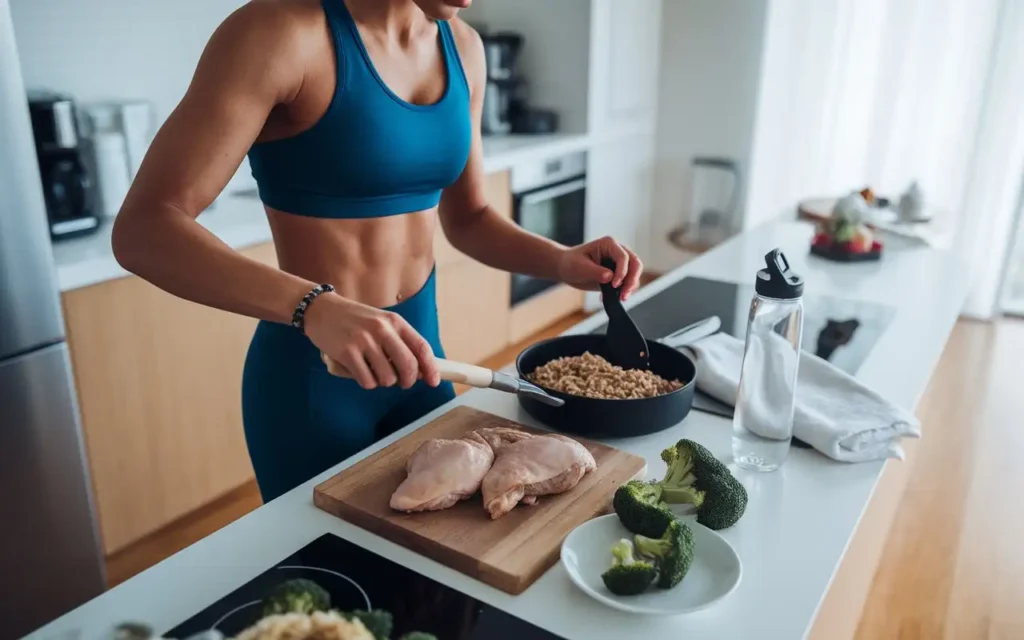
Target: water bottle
(763, 418)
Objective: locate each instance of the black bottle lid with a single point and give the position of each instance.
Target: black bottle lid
(776, 280)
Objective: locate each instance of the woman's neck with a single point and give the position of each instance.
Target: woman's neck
(398, 20)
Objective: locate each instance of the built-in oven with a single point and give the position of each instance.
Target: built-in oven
(549, 199)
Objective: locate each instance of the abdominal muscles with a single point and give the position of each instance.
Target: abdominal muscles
(376, 261)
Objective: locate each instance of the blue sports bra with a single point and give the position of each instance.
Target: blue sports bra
(371, 154)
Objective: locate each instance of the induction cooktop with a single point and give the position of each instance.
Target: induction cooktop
(839, 330)
(357, 578)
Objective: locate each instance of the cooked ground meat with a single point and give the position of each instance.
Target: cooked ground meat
(594, 377)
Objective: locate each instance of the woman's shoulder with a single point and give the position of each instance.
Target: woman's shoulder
(274, 38)
(471, 50)
(276, 24)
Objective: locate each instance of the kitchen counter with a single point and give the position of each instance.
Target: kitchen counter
(239, 219)
(791, 539)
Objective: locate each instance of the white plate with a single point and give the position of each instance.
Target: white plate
(714, 574)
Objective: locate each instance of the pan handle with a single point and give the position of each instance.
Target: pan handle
(334, 367)
(692, 333)
(450, 370)
(464, 373)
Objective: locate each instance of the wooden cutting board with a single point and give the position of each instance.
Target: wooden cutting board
(509, 553)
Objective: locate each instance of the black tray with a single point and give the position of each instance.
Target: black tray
(838, 255)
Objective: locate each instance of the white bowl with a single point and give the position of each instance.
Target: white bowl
(714, 574)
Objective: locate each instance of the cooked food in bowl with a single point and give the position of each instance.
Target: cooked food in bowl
(592, 376)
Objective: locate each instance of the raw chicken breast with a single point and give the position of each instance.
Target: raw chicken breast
(528, 466)
(442, 472)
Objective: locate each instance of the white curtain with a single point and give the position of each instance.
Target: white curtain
(883, 92)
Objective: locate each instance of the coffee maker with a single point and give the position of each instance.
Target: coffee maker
(506, 107)
(501, 51)
(66, 182)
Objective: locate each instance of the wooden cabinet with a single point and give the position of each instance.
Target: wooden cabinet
(159, 385)
(624, 63)
(543, 310)
(473, 300)
(473, 310)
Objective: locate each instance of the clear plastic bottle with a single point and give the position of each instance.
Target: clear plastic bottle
(763, 418)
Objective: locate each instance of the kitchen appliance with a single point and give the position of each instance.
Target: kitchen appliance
(549, 199)
(615, 418)
(506, 108)
(501, 52)
(499, 95)
(116, 136)
(358, 578)
(67, 185)
(509, 553)
(762, 424)
(109, 158)
(531, 121)
(472, 375)
(714, 200)
(133, 119)
(839, 330)
(50, 560)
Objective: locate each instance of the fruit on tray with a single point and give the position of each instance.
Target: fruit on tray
(847, 237)
(845, 231)
(868, 195)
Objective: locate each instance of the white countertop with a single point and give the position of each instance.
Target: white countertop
(791, 539)
(240, 221)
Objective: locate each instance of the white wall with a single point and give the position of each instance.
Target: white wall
(709, 83)
(117, 49)
(555, 53)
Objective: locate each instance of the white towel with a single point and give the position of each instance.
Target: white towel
(834, 413)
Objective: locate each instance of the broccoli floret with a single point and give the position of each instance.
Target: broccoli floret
(695, 476)
(725, 502)
(628, 576)
(378, 622)
(672, 553)
(640, 509)
(418, 635)
(296, 596)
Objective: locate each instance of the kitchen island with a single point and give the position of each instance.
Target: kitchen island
(797, 527)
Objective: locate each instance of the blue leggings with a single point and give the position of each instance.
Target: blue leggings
(300, 420)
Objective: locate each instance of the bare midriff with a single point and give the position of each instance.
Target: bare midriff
(375, 261)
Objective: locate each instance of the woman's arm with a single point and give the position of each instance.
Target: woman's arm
(250, 65)
(476, 229)
(253, 62)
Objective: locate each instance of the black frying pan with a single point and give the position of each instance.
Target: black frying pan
(617, 418)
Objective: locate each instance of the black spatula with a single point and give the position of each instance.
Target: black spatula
(625, 342)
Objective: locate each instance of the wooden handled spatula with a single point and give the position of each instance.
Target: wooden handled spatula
(472, 375)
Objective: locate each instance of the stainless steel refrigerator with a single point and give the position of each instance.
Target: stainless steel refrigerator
(50, 560)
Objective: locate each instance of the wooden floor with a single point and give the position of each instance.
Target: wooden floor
(953, 566)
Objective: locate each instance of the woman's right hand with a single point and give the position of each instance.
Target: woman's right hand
(377, 348)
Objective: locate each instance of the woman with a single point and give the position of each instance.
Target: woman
(361, 120)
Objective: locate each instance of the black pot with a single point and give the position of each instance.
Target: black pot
(602, 418)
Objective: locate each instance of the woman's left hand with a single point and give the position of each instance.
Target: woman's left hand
(580, 266)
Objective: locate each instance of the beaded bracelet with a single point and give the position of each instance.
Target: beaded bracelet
(298, 317)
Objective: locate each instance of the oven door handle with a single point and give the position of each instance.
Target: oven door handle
(553, 192)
